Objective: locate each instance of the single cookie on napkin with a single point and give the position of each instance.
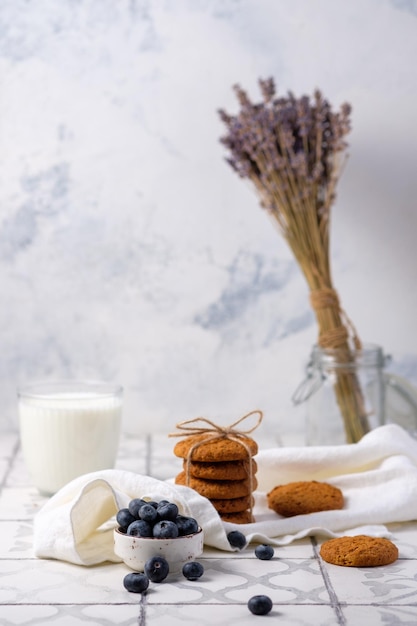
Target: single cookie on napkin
(303, 497)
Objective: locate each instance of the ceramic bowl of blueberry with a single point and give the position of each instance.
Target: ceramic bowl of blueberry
(147, 529)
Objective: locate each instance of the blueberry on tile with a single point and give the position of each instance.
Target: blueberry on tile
(260, 605)
(192, 570)
(156, 569)
(264, 552)
(136, 582)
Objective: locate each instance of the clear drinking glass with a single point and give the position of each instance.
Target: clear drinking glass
(68, 428)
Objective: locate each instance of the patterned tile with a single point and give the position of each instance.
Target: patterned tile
(405, 538)
(237, 615)
(236, 580)
(380, 615)
(55, 582)
(19, 474)
(20, 503)
(70, 615)
(16, 540)
(390, 584)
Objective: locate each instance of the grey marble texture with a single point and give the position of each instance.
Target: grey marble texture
(128, 249)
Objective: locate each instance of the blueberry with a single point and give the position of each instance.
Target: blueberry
(236, 539)
(153, 503)
(192, 570)
(260, 605)
(148, 513)
(156, 569)
(167, 510)
(134, 506)
(135, 582)
(140, 528)
(165, 529)
(186, 525)
(124, 518)
(264, 552)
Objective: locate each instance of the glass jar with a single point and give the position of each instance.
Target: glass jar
(344, 393)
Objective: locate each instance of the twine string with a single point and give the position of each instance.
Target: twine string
(214, 432)
(327, 298)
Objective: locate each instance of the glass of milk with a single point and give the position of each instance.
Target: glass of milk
(68, 428)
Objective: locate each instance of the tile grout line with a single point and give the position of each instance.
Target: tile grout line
(329, 587)
(142, 610)
(10, 464)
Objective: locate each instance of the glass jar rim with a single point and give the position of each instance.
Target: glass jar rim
(368, 355)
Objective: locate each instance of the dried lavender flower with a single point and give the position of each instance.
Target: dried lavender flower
(292, 150)
(287, 143)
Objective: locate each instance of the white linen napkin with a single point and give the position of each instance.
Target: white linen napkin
(378, 478)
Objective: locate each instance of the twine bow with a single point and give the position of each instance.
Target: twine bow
(214, 432)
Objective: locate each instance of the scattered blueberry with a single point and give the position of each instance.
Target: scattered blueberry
(264, 552)
(165, 529)
(236, 539)
(260, 605)
(124, 518)
(134, 506)
(186, 525)
(135, 582)
(192, 570)
(156, 569)
(140, 528)
(148, 513)
(168, 510)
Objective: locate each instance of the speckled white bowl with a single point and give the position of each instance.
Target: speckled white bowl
(135, 551)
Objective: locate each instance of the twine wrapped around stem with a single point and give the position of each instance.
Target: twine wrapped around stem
(214, 432)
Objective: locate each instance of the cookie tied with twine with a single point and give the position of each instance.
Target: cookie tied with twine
(209, 443)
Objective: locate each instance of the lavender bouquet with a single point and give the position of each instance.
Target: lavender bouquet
(292, 150)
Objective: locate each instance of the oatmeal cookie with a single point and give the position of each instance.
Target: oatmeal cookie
(359, 551)
(218, 489)
(232, 505)
(244, 517)
(221, 470)
(300, 498)
(216, 449)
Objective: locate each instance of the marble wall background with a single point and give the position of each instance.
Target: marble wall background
(128, 249)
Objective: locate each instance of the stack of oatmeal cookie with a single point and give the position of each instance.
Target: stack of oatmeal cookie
(223, 471)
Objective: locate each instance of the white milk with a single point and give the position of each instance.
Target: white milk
(68, 429)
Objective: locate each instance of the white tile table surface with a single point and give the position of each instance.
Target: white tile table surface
(304, 590)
